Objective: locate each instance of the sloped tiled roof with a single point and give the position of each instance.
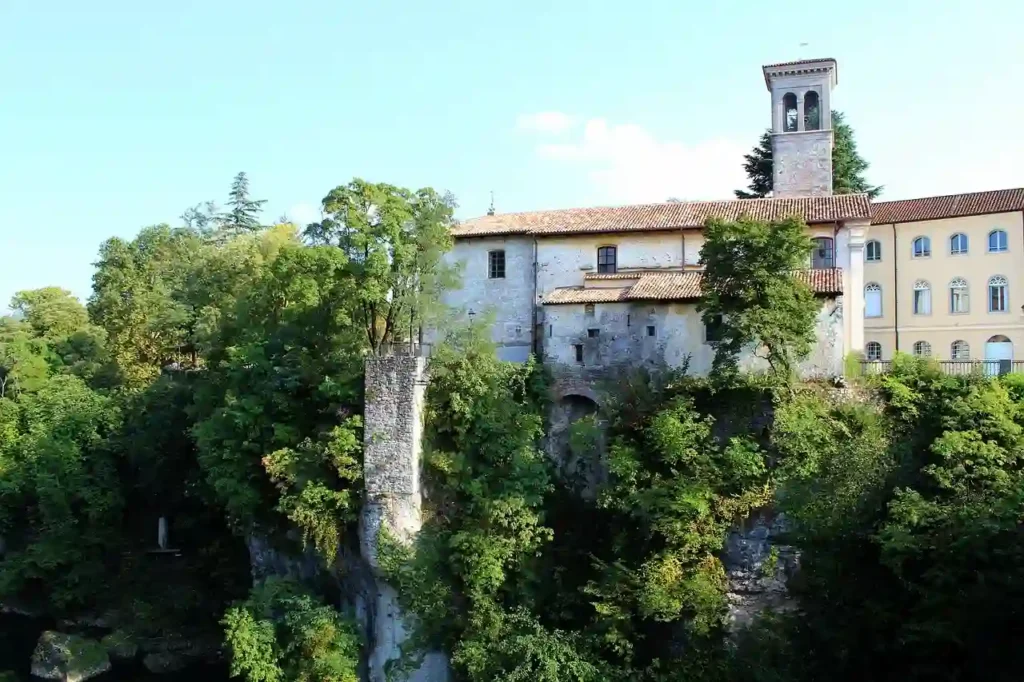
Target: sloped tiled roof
(678, 286)
(949, 206)
(667, 216)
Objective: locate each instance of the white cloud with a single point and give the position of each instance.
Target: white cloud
(546, 122)
(302, 213)
(628, 164)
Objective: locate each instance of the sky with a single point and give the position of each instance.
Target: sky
(118, 114)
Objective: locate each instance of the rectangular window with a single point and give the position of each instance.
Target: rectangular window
(922, 302)
(713, 331)
(496, 264)
(650, 330)
(579, 352)
(958, 302)
(997, 298)
(628, 319)
(821, 255)
(588, 309)
(551, 331)
(592, 333)
(606, 259)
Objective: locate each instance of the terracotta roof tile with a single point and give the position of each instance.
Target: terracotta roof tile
(581, 295)
(950, 206)
(678, 286)
(668, 216)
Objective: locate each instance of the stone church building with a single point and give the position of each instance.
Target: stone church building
(589, 288)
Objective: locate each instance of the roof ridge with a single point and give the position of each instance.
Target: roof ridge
(658, 204)
(950, 196)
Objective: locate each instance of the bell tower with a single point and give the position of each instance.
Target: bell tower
(801, 126)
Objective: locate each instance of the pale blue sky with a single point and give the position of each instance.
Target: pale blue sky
(118, 114)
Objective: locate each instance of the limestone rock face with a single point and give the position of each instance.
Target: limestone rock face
(758, 568)
(68, 658)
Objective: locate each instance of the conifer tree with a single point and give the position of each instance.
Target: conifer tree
(848, 166)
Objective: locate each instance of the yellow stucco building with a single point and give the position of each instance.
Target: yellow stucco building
(944, 277)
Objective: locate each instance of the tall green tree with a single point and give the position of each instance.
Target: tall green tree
(848, 166)
(745, 298)
(23, 358)
(395, 240)
(53, 313)
(243, 211)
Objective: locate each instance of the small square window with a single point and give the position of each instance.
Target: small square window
(592, 333)
(579, 352)
(588, 309)
(496, 265)
(650, 330)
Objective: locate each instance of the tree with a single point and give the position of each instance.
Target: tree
(285, 368)
(848, 167)
(747, 295)
(53, 313)
(395, 240)
(243, 214)
(284, 634)
(202, 217)
(23, 359)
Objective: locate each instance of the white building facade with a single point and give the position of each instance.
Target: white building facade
(595, 288)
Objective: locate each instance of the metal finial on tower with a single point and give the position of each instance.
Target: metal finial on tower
(490, 211)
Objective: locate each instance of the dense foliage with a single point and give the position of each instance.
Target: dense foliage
(848, 166)
(214, 380)
(282, 633)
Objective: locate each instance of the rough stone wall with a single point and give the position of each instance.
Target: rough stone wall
(623, 338)
(393, 414)
(509, 299)
(564, 261)
(758, 567)
(802, 163)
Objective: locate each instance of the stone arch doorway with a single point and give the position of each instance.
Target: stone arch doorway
(576, 442)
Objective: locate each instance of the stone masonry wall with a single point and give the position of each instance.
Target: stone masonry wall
(802, 163)
(395, 391)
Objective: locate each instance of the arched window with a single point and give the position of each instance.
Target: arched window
(821, 255)
(922, 247)
(812, 112)
(606, 259)
(958, 244)
(789, 113)
(872, 300)
(959, 350)
(998, 299)
(997, 241)
(873, 351)
(958, 299)
(922, 298)
(873, 251)
(923, 349)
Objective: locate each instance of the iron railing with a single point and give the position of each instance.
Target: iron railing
(957, 367)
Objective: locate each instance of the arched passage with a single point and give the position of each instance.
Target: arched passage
(576, 441)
